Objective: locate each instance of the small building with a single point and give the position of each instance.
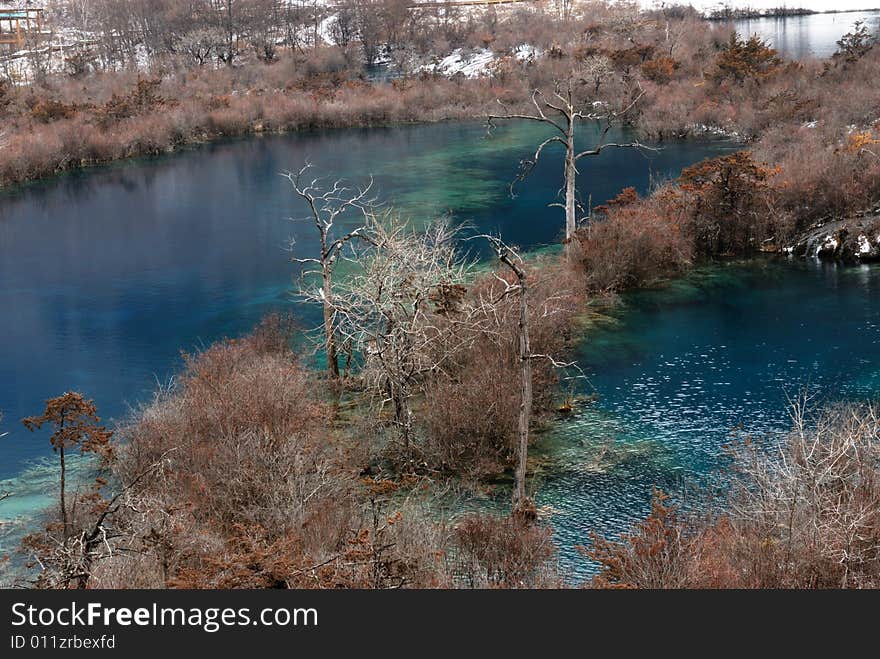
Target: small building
(15, 24)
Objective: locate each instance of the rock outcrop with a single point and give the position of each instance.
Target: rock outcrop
(854, 239)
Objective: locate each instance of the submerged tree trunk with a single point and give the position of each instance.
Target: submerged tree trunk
(525, 403)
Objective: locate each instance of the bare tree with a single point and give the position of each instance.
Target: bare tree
(201, 44)
(562, 109)
(514, 263)
(344, 28)
(817, 495)
(326, 205)
(70, 559)
(399, 309)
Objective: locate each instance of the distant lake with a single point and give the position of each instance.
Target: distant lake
(815, 35)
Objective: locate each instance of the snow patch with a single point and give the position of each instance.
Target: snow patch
(828, 245)
(526, 53)
(325, 29)
(864, 245)
(717, 131)
(477, 64)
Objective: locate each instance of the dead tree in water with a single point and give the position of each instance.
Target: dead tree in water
(562, 109)
(326, 206)
(401, 310)
(512, 261)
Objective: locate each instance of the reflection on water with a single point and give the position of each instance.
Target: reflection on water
(678, 369)
(815, 35)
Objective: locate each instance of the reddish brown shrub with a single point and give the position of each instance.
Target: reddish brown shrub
(504, 552)
(47, 110)
(470, 410)
(635, 243)
(726, 199)
(654, 555)
(745, 59)
(804, 513)
(660, 69)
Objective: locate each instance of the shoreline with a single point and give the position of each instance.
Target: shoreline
(781, 13)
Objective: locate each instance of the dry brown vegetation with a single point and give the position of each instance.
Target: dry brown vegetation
(801, 514)
(71, 124)
(241, 476)
(470, 409)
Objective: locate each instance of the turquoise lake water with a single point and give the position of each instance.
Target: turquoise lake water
(106, 275)
(678, 369)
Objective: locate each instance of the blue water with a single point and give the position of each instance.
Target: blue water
(678, 369)
(815, 35)
(106, 275)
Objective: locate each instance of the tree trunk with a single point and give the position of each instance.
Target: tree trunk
(402, 418)
(525, 404)
(570, 192)
(82, 580)
(329, 328)
(64, 520)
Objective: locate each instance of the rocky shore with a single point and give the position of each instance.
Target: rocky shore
(853, 239)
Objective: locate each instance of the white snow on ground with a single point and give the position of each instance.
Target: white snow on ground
(864, 244)
(526, 53)
(477, 64)
(828, 245)
(325, 29)
(717, 131)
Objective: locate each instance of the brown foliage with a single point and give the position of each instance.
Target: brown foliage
(721, 206)
(64, 125)
(249, 487)
(726, 199)
(75, 422)
(470, 410)
(634, 243)
(804, 513)
(142, 99)
(66, 549)
(47, 110)
(504, 552)
(654, 555)
(660, 69)
(745, 59)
